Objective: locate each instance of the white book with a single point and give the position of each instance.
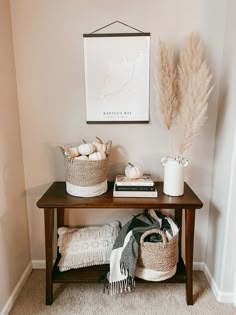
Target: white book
(145, 180)
(131, 193)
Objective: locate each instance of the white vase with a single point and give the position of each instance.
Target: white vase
(174, 175)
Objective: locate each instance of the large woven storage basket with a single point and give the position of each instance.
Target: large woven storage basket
(86, 178)
(157, 261)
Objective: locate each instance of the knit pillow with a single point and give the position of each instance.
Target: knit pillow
(89, 246)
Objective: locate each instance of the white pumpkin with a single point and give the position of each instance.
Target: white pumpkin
(97, 156)
(133, 171)
(73, 152)
(100, 146)
(86, 148)
(82, 157)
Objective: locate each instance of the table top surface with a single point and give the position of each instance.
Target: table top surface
(57, 197)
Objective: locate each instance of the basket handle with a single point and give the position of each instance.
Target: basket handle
(152, 231)
(66, 153)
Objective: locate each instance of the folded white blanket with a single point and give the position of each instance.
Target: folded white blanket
(82, 247)
(73, 236)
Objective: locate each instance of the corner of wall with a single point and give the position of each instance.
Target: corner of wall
(12, 298)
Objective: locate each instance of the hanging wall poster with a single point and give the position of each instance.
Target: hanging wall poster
(117, 77)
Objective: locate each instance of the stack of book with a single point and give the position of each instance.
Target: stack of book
(140, 187)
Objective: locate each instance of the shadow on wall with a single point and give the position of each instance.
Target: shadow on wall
(117, 153)
(222, 103)
(215, 246)
(36, 215)
(4, 250)
(56, 163)
(14, 245)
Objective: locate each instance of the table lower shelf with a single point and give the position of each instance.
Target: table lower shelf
(98, 274)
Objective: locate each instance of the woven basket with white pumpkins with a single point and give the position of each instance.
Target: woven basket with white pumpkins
(86, 168)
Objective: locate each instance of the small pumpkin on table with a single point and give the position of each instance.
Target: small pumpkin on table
(133, 171)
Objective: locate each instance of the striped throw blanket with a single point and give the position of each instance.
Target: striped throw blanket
(124, 255)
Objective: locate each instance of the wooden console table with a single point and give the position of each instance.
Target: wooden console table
(57, 198)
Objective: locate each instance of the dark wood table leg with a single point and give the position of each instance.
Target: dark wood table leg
(178, 219)
(189, 241)
(49, 226)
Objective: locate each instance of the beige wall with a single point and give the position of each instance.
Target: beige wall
(221, 256)
(14, 236)
(50, 75)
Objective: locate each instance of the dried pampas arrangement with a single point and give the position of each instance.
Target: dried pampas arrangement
(184, 90)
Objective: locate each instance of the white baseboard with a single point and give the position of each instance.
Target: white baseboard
(39, 264)
(7, 307)
(221, 296)
(199, 266)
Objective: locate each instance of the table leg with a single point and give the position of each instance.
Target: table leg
(189, 240)
(49, 225)
(178, 219)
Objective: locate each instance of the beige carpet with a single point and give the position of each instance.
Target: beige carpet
(89, 299)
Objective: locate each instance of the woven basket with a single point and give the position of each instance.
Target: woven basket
(159, 256)
(86, 178)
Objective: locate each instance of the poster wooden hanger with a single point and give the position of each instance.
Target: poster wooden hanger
(95, 34)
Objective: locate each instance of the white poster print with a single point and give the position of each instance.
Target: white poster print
(117, 78)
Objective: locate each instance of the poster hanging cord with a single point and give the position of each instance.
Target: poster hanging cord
(99, 29)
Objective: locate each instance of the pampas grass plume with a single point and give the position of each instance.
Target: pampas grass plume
(194, 83)
(167, 85)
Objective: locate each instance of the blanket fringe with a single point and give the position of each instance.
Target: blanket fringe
(119, 287)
